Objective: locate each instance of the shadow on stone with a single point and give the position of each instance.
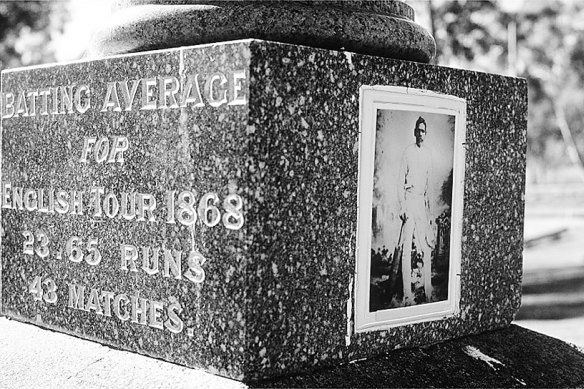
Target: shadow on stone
(512, 357)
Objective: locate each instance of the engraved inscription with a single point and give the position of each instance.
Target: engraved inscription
(46, 101)
(104, 149)
(141, 207)
(107, 150)
(159, 92)
(136, 309)
(75, 252)
(148, 259)
(43, 290)
(168, 92)
(38, 246)
(42, 200)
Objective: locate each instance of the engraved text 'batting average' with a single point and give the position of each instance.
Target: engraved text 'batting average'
(161, 92)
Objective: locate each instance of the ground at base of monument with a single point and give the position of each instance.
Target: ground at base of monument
(34, 357)
(513, 357)
(569, 330)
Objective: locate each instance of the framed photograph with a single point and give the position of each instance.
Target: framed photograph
(411, 175)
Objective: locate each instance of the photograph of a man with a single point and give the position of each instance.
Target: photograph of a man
(415, 213)
(411, 208)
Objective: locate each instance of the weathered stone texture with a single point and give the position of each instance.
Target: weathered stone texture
(275, 296)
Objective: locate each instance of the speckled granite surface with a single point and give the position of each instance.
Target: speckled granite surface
(274, 300)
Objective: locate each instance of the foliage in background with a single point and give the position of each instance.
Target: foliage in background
(27, 29)
(542, 41)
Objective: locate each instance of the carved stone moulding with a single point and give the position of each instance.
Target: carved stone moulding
(383, 27)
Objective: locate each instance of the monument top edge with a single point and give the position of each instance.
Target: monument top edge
(196, 46)
(158, 51)
(128, 55)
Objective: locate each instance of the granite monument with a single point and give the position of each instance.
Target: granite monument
(222, 206)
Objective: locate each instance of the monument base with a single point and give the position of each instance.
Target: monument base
(527, 359)
(208, 205)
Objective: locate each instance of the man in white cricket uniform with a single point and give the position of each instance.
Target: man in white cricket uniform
(413, 185)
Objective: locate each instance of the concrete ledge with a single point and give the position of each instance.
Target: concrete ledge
(513, 357)
(33, 357)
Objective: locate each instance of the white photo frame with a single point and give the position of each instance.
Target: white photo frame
(400, 169)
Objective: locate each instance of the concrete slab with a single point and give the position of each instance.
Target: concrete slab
(33, 357)
(513, 357)
(568, 330)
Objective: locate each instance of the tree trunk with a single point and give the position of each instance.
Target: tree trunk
(575, 155)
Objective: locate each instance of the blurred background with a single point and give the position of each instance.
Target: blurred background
(543, 42)
(540, 40)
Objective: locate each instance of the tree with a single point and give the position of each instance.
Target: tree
(26, 29)
(540, 41)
